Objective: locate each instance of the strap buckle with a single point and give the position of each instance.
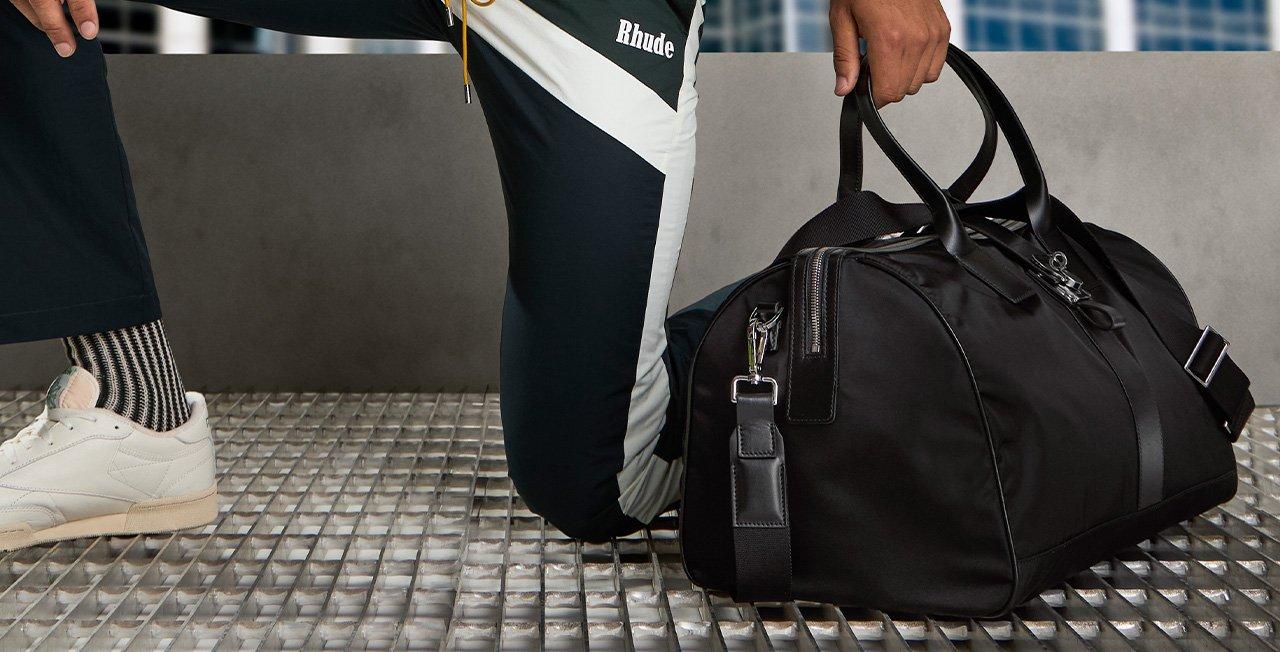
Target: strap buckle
(1207, 379)
(754, 380)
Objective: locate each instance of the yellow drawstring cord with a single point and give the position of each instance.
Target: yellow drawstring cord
(466, 69)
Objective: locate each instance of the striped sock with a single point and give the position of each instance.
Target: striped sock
(136, 374)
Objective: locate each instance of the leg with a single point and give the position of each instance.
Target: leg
(79, 266)
(591, 109)
(73, 264)
(74, 259)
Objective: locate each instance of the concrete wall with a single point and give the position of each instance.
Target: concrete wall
(336, 222)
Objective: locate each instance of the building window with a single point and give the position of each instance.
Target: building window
(757, 25)
(813, 25)
(232, 38)
(127, 27)
(1034, 25)
(766, 26)
(717, 28)
(1202, 24)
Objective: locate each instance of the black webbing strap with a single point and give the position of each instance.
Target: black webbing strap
(854, 218)
(761, 524)
(1200, 350)
(1210, 365)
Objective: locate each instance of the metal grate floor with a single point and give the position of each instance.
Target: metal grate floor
(385, 521)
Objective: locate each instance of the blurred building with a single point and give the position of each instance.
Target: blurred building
(801, 25)
(796, 26)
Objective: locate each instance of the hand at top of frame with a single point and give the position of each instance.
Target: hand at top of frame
(49, 17)
(906, 44)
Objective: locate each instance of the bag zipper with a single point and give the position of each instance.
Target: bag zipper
(1076, 316)
(815, 303)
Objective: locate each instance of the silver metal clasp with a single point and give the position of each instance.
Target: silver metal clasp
(758, 380)
(1054, 271)
(1217, 363)
(762, 338)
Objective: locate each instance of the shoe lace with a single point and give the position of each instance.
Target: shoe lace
(466, 69)
(34, 432)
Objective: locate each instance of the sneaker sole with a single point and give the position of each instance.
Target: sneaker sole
(161, 515)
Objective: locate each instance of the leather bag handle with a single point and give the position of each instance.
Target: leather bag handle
(854, 217)
(945, 219)
(851, 165)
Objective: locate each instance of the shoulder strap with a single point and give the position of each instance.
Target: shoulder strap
(761, 522)
(1202, 351)
(854, 218)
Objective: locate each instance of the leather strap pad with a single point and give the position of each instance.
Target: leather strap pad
(811, 375)
(761, 524)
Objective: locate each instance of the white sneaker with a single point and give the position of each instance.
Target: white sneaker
(82, 471)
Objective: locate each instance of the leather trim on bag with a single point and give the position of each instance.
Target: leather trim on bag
(887, 267)
(761, 520)
(813, 379)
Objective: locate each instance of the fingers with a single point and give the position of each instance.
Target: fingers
(891, 66)
(50, 18)
(24, 8)
(922, 53)
(844, 39)
(937, 33)
(906, 44)
(943, 38)
(85, 15)
(54, 23)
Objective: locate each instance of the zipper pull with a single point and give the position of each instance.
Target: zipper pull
(1100, 315)
(1055, 274)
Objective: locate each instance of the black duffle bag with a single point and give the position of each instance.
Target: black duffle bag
(948, 407)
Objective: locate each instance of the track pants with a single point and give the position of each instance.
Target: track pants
(590, 105)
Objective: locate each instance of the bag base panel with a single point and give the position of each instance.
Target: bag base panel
(1047, 568)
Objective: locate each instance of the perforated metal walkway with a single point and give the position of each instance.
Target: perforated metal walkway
(385, 521)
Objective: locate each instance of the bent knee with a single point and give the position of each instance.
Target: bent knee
(581, 510)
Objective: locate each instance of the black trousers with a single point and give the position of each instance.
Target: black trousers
(591, 109)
